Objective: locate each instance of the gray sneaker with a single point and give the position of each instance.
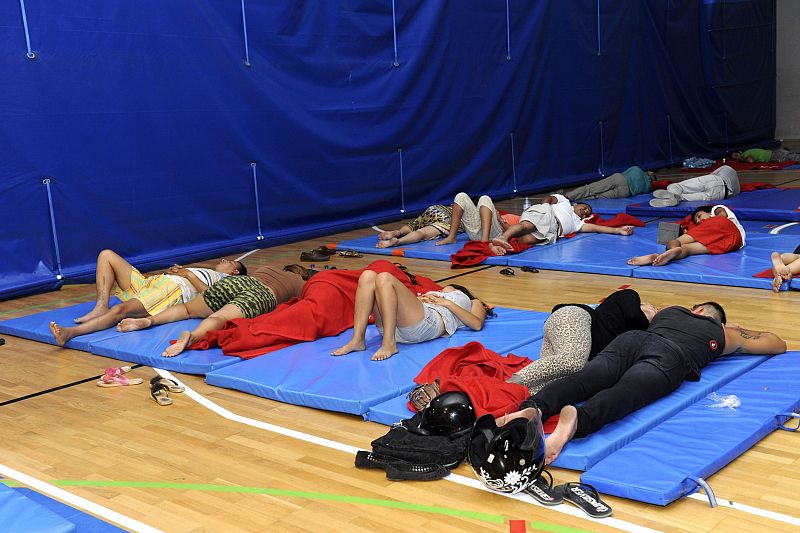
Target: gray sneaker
(664, 202)
(663, 193)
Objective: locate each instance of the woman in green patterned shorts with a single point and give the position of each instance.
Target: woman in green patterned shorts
(431, 224)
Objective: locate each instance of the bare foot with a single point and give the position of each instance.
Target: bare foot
(62, 335)
(528, 413)
(352, 346)
(133, 324)
(386, 235)
(776, 283)
(179, 346)
(502, 243)
(94, 313)
(446, 240)
(497, 250)
(384, 352)
(666, 257)
(387, 243)
(565, 430)
(642, 260)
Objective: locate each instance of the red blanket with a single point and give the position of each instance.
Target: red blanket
(475, 252)
(756, 185)
(619, 220)
(325, 308)
(481, 374)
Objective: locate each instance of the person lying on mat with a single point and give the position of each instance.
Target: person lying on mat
(142, 296)
(631, 182)
(575, 333)
(719, 185)
(402, 316)
(639, 367)
(784, 267)
(763, 155)
(552, 219)
(431, 224)
(482, 222)
(714, 230)
(230, 298)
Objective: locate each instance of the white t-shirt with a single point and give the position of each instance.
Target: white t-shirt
(451, 321)
(732, 218)
(206, 275)
(570, 222)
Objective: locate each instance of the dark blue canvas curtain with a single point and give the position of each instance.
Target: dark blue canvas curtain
(159, 140)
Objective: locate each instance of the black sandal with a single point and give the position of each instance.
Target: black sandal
(542, 491)
(160, 394)
(171, 385)
(585, 497)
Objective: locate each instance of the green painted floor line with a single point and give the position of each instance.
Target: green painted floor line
(484, 517)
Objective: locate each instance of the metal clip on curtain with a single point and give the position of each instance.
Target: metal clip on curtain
(402, 186)
(513, 162)
(508, 32)
(246, 47)
(31, 54)
(258, 209)
(60, 274)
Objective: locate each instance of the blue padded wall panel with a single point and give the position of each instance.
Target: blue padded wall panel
(147, 118)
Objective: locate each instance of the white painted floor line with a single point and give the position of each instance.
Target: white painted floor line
(775, 231)
(749, 509)
(455, 478)
(76, 501)
(248, 253)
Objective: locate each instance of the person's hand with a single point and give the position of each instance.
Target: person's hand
(625, 230)
(435, 300)
(178, 270)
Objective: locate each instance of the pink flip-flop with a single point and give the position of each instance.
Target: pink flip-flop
(116, 371)
(118, 381)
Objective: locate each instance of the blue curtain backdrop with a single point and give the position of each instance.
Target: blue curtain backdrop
(155, 133)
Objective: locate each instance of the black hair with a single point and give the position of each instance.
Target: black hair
(242, 269)
(717, 311)
(702, 209)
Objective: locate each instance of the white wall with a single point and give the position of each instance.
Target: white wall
(788, 67)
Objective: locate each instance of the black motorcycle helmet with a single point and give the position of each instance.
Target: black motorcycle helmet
(448, 413)
(510, 457)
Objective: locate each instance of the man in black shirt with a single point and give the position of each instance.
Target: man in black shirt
(639, 367)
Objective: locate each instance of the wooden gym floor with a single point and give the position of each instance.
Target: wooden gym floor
(188, 467)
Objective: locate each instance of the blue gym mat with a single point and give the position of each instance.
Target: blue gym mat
(396, 409)
(419, 250)
(764, 204)
(144, 346)
(36, 327)
(664, 464)
(18, 513)
(306, 374)
(766, 226)
(582, 454)
(84, 522)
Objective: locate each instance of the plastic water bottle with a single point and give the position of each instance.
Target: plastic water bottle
(526, 203)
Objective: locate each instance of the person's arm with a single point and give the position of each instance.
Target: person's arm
(594, 228)
(190, 276)
(473, 319)
(741, 340)
(549, 199)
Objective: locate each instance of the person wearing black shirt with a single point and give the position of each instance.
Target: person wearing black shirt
(639, 367)
(575, 333)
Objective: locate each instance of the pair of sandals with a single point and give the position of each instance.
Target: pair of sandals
(582, 495)
(161, 387)
(114, 377)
